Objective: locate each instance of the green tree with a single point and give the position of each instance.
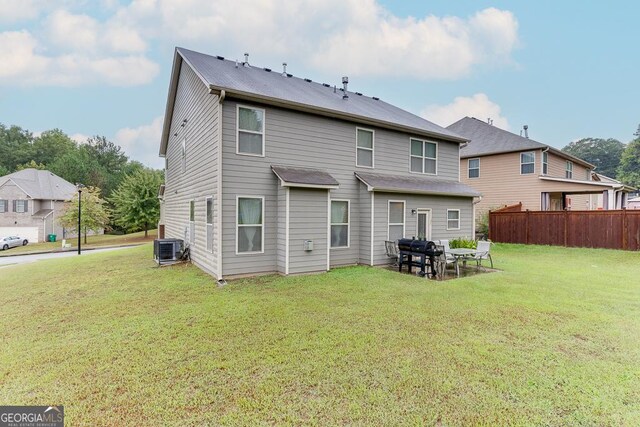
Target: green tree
(15, 146)
(135, 201)
(629, 170)
(94, 213)
(31, 165)
(4, 171)
(51, 145)
(603, 153)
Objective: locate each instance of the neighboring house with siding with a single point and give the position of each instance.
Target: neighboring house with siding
(508, 169)
(267, 172)
(31, 201)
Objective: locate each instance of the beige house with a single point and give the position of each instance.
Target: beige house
(508, 169)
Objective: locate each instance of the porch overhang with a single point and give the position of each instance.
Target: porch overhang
(416, 185)
(291, 176)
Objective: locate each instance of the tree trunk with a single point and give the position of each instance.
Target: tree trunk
(146, 227)
(85, 235)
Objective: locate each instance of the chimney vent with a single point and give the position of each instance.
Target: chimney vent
(284, 69)
(526, 131)
(246, 60)
(345, 82)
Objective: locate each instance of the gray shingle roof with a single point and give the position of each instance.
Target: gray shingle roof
(417, 184)
(39, 184)
(487, 139)
(292, 176)
(295, 91)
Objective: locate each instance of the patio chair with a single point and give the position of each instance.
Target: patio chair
(443, 260)
(391, 249)
(482, 252)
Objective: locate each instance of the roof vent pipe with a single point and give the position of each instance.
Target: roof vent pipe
(284, 69)
(246, 60)
(526, 131)
(345, 82)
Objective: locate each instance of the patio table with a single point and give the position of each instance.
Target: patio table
(462, 254)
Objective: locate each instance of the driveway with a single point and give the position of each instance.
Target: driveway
(25, 259)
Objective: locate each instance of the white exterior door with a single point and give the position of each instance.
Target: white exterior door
(424, 224)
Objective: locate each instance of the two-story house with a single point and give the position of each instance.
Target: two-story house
(509, 169)
(267, 172)
(31, 201)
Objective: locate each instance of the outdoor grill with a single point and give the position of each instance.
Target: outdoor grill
(419, 249)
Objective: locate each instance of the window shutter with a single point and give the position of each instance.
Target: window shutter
(26, 206)
(14, 206)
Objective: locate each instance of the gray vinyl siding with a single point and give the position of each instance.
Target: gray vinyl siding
(281, 220)
(305, 140)
(365, 224)
(194, 104)
(438, 205)
(308, 220)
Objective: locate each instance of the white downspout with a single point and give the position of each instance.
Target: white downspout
(219, 201)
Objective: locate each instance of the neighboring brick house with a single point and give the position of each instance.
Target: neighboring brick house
(31, 201)
(267, 172)
(508, 169)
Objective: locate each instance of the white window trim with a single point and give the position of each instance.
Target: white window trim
(372, 149)
(348, 224)
(545, 162)
(238, 197)
(534, 162)
(469, 168)
(264, 125)
(404, 216)
(568, 170)
(25, 209)
(207, 224)
(423, 155)
(459, 219)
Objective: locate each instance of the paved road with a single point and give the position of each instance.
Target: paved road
(24, 259)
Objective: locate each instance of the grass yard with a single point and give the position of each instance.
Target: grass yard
(554, 339)
(97, 241)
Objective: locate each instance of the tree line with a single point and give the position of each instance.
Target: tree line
(119, 193)
(611, 157)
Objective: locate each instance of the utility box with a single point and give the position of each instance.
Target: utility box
(308, 245)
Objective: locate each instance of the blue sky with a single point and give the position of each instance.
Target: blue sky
(567, 69)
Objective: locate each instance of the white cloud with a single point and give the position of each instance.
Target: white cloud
(79, 138)
(478, 106)
(142, 143)
(18, 10)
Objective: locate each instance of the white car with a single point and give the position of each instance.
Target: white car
(12, 242)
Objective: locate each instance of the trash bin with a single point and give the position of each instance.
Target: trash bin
(52, 237)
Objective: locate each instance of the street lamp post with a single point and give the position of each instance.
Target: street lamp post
(80, 218)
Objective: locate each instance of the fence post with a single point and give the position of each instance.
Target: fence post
(527, 232)
(566, 220)
(625, 229)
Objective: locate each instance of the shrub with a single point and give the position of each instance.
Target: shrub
(462, 242)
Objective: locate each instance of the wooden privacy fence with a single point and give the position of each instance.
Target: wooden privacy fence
(614, 229)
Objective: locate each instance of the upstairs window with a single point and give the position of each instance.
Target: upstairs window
(20, 206)
(4, 206)
(474, 168)
(250, 131)
(340, 223)
(364, 148)
(568, 173)
(545, 163)
(527, 162)
(424, 156)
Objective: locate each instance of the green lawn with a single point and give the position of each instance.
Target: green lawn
(97, 241)
(554, 339)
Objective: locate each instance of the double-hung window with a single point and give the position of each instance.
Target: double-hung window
(395, 220)
(250, 131)
(364, 148)
(474, 168)
(250, 224)
(453, 219)
(4, 206)
(340, 215)
(545, 163)
(568, 173)
(424, 156)
(527, 162)
(20, 206)
(209, 201)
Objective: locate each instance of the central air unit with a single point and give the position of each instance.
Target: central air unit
(167, 251)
